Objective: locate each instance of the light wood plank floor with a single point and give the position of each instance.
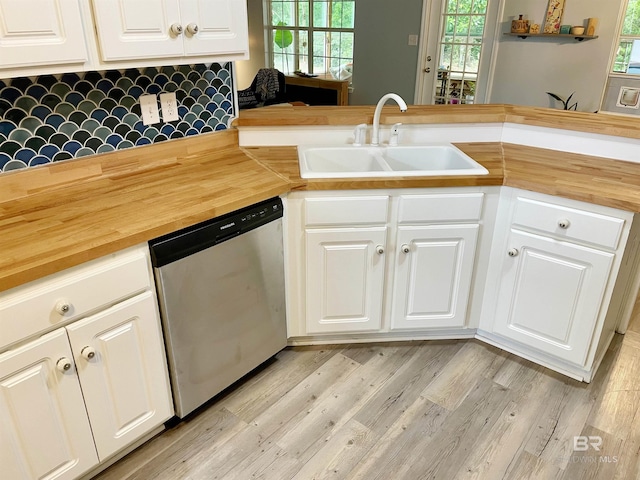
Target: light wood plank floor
(416, 410)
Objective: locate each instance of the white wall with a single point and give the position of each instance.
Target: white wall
(525, 69)
(383, 61)
(246, 70)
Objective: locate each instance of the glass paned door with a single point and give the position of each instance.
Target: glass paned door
(454, 52)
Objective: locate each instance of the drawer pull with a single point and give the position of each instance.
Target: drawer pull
(63, 364)
(564, 223)
(88, 352)
(176, 29)
(63, 307)
(405, 248)
(380, 249)
(513, 252)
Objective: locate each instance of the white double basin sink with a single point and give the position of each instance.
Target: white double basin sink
(348, 161)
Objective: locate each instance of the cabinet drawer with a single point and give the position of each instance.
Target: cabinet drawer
(369, 210)
(446, 207)
(38, 306)
(568, 223)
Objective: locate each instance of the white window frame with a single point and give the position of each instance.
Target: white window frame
(296, 29)
(618, 39)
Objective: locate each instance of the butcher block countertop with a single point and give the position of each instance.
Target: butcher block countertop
(65, 214)
(80, 210)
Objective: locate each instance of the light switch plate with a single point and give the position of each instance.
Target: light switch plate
(149, 107)
(413, 40)
(169, 107)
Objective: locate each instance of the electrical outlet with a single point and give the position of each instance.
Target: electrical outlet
(149, 107)
(169, 107)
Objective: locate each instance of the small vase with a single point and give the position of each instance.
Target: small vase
(520, 25)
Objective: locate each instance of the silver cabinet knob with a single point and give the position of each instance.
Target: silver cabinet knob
(405, 248)
(176, 29)
(564, 223)
(63, 364)
(192, 29)
(513, 252)
(88, 352)
(63, 306)
(380, 249)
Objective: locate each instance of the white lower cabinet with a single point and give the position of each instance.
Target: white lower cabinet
(75, 396)
(554, 268)
(433, 276)
(120, 363)
(550, 294)
(345, 279)
(540, 276)
(391, 262)
(45, 431)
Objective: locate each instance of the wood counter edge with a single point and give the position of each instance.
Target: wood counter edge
(62, 259)
(605, 123)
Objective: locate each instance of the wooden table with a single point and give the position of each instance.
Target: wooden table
(322, 82)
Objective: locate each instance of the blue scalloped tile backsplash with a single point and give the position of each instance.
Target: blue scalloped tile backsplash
(54, 118)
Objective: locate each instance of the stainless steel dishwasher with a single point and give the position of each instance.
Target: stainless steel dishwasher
(221, 293)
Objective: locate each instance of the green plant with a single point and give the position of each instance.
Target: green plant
(283, 38)
(565, 103)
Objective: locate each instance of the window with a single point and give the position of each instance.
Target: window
(463, 23)
(628, 56)
(313, 36)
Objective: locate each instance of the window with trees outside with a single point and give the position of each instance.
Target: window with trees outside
(312, 36)
(628, 56)
(460, 48)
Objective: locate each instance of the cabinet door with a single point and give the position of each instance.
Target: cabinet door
(345, 279)
(44, 429)
(221, 26)
(550, 294)
(433, 276)
(125, 383)
(41, 32)
(135, 29)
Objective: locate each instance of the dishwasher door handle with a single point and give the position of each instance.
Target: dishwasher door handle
(229, 236)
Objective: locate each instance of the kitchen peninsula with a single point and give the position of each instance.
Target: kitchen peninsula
(66, 214)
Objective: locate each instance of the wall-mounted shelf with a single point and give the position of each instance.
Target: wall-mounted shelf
(553, 35)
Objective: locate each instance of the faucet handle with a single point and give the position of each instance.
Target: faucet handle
(395, 131)
(359, 135)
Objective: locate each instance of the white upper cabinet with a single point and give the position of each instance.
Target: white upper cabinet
(147, 29)
(130, 29)
(40, 33)
(220, 26)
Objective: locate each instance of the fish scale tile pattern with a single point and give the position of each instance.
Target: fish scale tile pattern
(53, 118)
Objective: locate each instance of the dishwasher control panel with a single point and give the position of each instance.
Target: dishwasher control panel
(190, 240)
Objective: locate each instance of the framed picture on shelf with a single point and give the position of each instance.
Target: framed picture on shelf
(553, 19)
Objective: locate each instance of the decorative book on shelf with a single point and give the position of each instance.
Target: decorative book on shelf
(554, 16)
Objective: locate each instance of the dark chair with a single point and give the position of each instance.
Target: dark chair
(267, 88)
